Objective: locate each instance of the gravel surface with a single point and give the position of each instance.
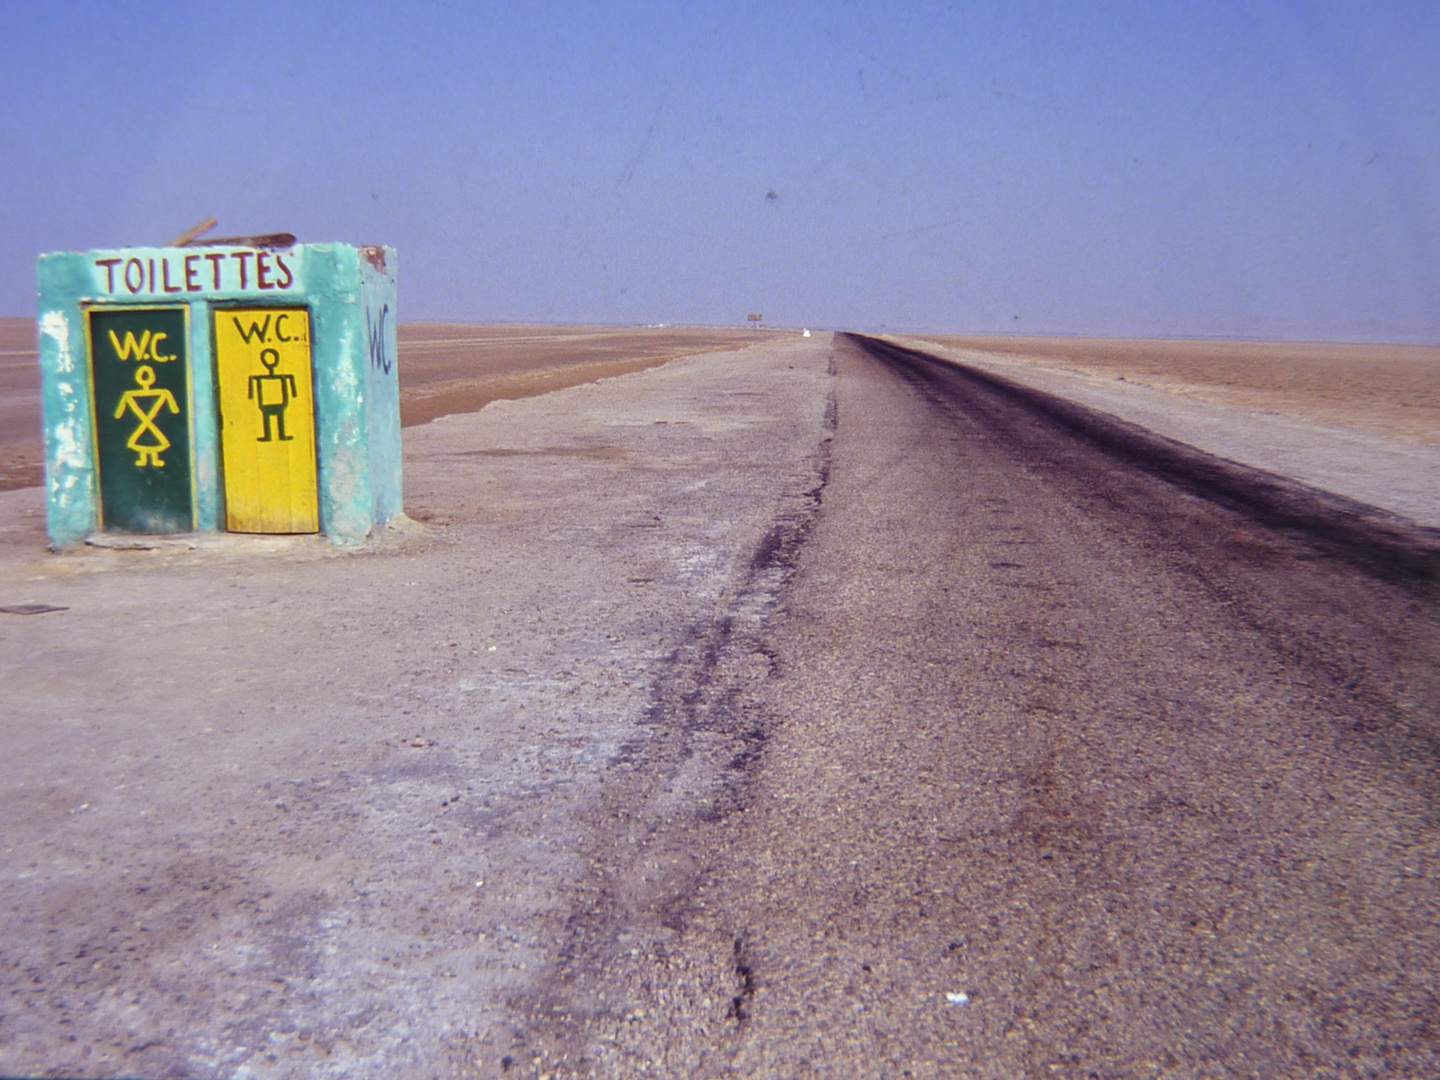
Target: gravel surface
(277, 809)
(790, 712)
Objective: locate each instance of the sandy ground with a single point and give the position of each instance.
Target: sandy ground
(1392, 391)
(1389, 390)
(1238, 409)
(279, 809)
(444, 368)
(455, 367)
(22, 459)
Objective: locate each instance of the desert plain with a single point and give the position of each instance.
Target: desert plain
(717, 710)
(1387, 390)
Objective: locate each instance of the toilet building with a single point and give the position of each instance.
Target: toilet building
(226, 387)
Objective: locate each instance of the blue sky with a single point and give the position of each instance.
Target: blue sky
(1174, 169)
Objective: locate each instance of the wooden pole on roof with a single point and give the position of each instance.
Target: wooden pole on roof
(192, 233)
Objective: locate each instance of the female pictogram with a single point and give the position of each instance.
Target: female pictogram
(272, 394)
(146, 440)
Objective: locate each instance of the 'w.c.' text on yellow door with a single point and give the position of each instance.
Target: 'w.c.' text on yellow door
(267, 419)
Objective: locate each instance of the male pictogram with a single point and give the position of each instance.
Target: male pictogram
(147, 440)
(272, 393)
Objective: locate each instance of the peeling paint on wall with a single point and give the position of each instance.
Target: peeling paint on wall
(56, 327)
(68, 450)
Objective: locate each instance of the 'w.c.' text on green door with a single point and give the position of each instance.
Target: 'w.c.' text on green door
(140, 379)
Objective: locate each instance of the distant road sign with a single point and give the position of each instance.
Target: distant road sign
(755, 317)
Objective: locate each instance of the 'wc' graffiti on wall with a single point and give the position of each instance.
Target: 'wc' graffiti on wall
(376, 338)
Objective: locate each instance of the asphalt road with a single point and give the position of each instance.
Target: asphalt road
(1063, 751)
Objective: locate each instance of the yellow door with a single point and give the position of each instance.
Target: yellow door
(267, 419)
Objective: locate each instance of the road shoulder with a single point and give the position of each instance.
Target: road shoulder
(1392, 474)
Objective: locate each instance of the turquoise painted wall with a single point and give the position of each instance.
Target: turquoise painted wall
(350, 294)
(382, 380)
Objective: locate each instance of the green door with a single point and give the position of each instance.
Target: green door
(140, 376)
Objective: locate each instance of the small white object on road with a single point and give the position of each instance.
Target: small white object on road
(957, 999)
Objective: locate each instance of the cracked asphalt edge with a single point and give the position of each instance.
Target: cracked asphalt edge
(641, 946)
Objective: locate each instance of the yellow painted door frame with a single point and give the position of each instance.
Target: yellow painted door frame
(266, 391)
